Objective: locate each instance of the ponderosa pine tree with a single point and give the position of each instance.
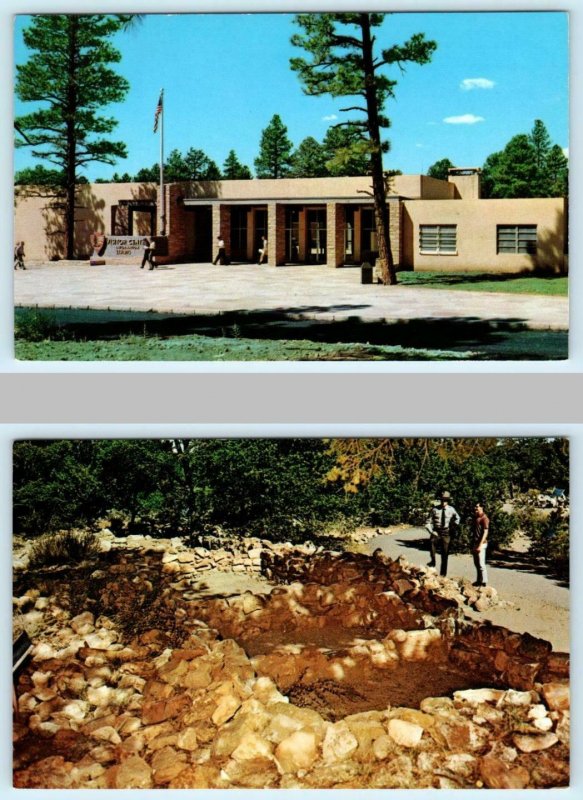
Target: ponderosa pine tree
(274, 160)
(234, 170)
(512, 172)
(194, 166)
(529, 166)
(342, 62)
(346, 151)
(68, 74)
(440, 169)
(309, 160)
(557, 172)
(541, 141)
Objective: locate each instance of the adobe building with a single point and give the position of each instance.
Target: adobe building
(435, 225)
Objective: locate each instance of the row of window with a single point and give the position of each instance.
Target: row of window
(509, 239)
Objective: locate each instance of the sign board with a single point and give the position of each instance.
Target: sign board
(123, 247)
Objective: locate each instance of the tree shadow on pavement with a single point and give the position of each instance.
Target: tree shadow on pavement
(496, 339)
(503, 559)
(524, 562)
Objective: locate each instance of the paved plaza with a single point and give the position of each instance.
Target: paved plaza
(310, 292)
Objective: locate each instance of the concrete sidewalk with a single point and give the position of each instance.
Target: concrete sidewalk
(312, 292)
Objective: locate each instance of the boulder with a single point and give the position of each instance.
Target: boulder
(133, 773)
(167, 764)
(339, 743)
(297, 751)
(557, 696)
(496, 774)
(405, 734)
(252, 746)
(531, 744)
(476, 696)
(187, 739)
(226, 708)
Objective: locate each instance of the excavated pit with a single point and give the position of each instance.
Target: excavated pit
(132, 658)
(330, 671)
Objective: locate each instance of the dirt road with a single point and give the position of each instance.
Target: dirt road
(534, 602)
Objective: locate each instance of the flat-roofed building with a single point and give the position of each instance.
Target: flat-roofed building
(435, 225)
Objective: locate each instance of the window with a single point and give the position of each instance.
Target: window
(516, 239)
(438, 238)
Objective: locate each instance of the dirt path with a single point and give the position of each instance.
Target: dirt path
(539, 604)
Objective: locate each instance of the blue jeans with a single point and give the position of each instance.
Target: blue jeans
(480, 564)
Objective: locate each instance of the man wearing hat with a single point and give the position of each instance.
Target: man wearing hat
(440, 523)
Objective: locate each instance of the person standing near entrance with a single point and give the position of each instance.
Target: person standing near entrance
(481, 526)
(263, 251)
(222, 252)
(149, 246)
(441, 523)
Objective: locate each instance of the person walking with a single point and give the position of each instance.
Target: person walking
(149, 246)
(440, 523)
(222, 252)
(480, 529)
(263, 251)
(19, 255)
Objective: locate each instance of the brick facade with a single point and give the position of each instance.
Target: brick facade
(335, 234)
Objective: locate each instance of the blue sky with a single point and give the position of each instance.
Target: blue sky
(226, 75)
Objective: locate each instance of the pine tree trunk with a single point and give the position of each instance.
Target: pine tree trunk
(385, 256)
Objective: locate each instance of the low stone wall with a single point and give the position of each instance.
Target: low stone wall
(145, 694)
(143, 714)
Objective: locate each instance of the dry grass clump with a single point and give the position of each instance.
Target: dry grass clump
(64, 547)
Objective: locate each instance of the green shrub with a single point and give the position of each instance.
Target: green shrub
(37, 326)
(549, 536)
(64, 547)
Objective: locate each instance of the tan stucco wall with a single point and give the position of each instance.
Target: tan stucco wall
(38, 221)
(317, 188)
(476, 222)
(434, 189)
(467, 187)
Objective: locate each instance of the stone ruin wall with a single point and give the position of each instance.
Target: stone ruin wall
(104, 709)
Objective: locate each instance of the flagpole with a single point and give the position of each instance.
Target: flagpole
(162, 198)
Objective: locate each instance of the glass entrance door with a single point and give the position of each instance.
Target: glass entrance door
(292, 235)
(316, 236)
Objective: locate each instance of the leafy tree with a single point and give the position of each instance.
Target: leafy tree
(440, 169)
(233, 170)
(55, 485)
(129, 472)
(68, 74)
(309, 160)
(342, 62)
(274, 159)
(346, 151)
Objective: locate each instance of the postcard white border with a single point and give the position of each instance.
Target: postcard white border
(9, 433)
(575, 362)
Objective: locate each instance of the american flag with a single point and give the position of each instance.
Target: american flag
(158, 111)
